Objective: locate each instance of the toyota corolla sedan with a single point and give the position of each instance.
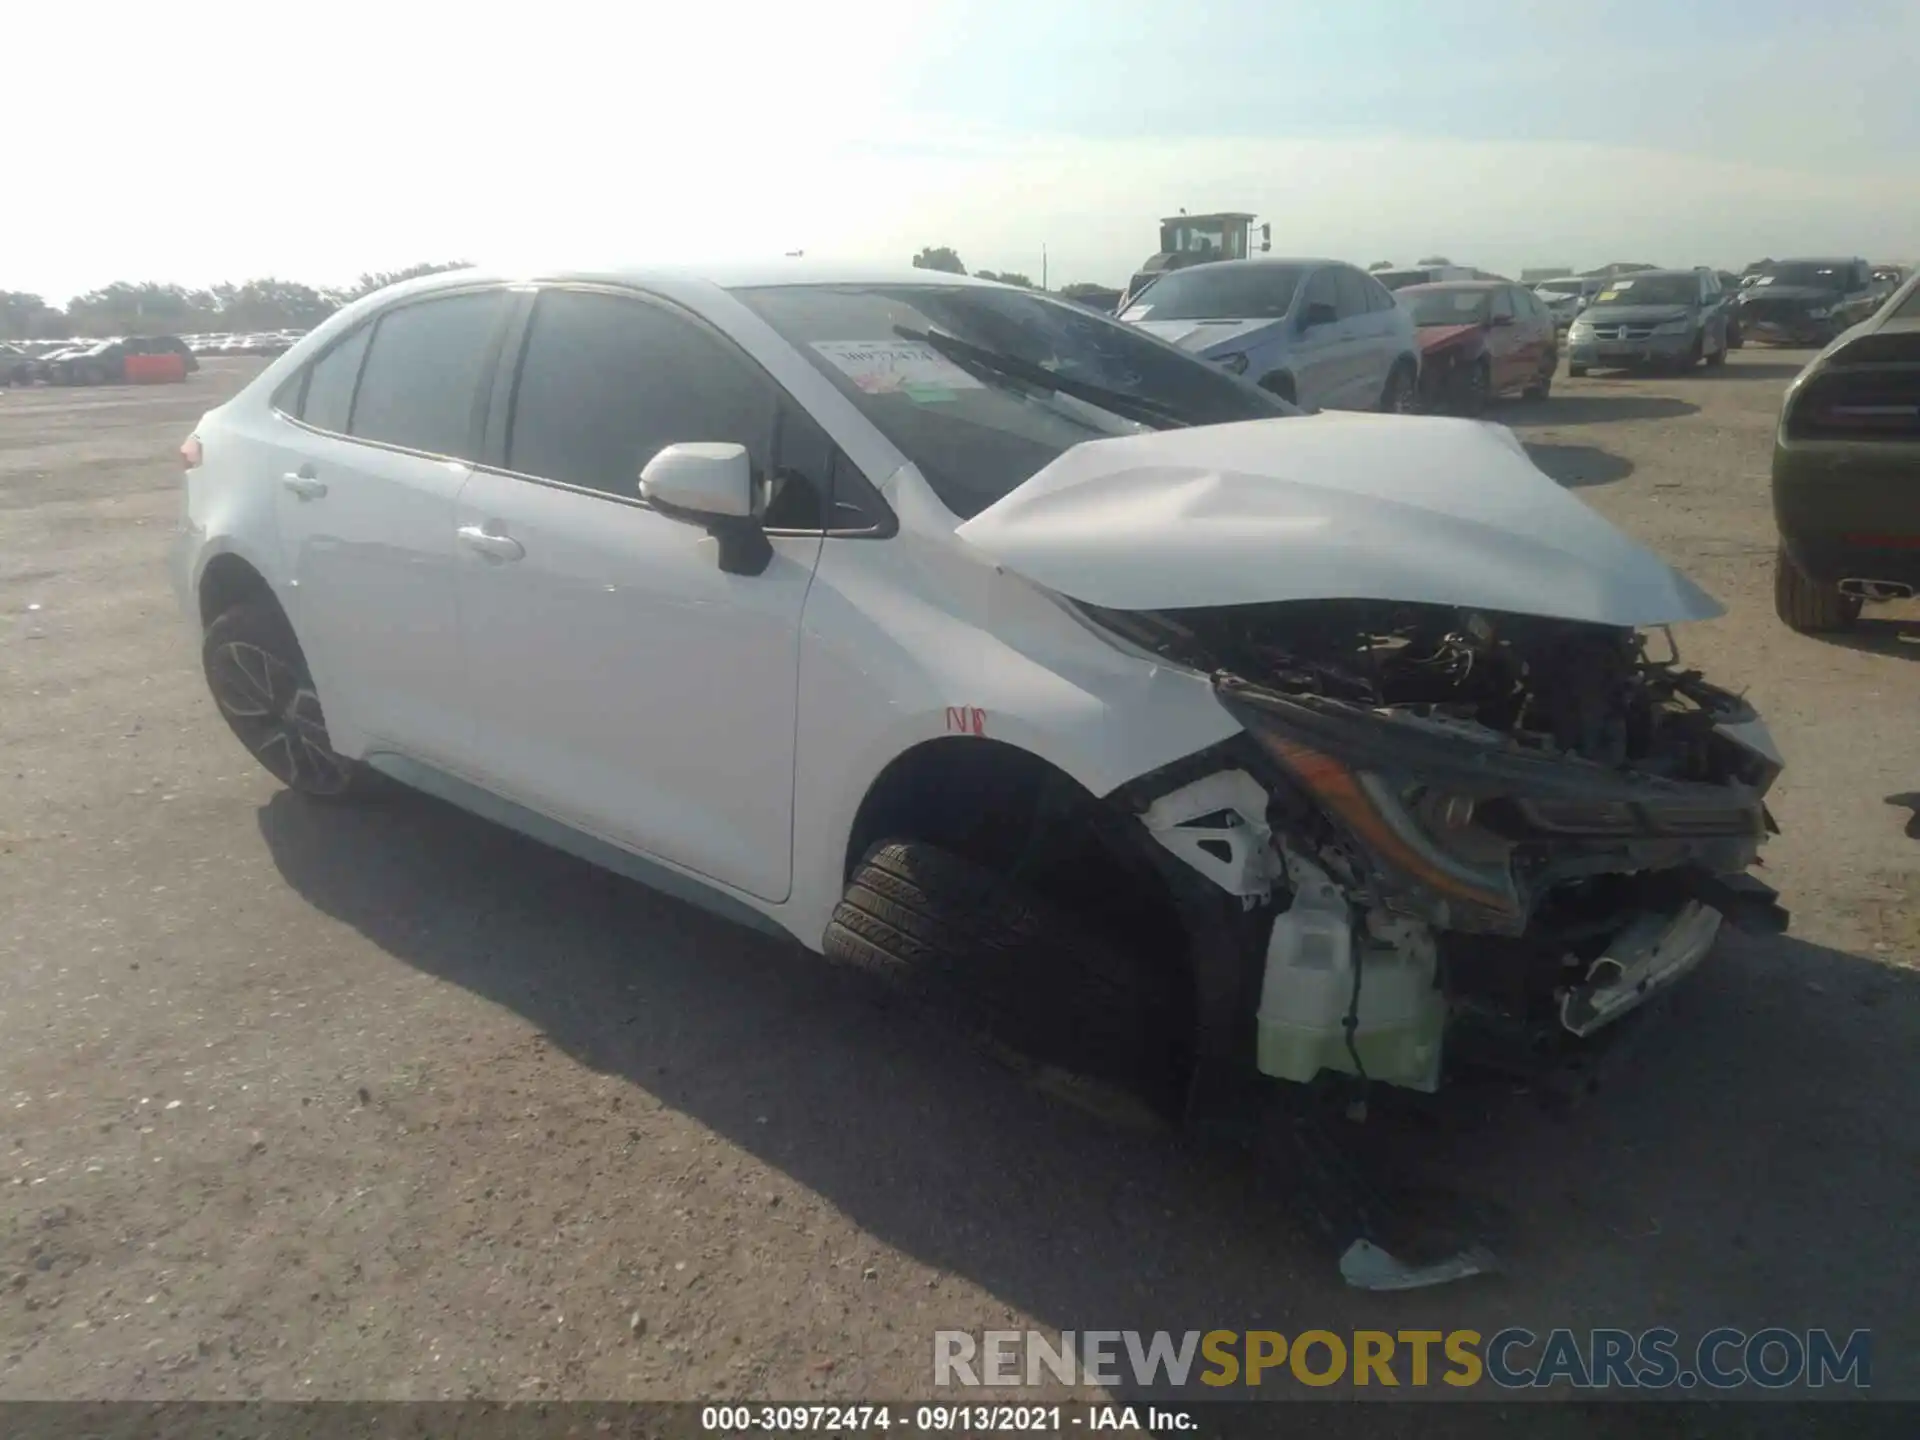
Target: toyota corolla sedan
(1084, 688)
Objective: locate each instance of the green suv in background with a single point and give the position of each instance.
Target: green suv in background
(1674, 318)
(1846, 473)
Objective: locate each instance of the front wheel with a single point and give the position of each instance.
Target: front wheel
(1574, 372)
(266, 695)
(1475, 388)
(1397, 398)
(1805, 605)
(968, 942)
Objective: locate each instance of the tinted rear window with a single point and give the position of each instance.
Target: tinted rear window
(423, 374)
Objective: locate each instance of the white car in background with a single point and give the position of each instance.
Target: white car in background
(985, 642)
(1567, 297)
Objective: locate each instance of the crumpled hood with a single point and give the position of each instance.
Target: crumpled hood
(1200, 336)
(1633, 314)
(1425, 510)
(1439, 337)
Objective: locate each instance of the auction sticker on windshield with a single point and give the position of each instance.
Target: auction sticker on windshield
(897, 367)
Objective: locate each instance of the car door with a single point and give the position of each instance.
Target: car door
(1713, 316)
(1542, 338)
(1370, 347)
(1506, 342)
(622, 681)
(1319, 347)
(382, 427)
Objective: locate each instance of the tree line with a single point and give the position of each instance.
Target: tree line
(152, 308)
(945, 258)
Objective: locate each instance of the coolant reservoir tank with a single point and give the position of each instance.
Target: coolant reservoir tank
(1308, 990)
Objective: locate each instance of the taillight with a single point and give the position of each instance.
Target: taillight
(190, 453)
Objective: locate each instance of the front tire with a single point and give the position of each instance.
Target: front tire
(967, 941)
(1397, 398)
(1476, 389)
(1806, 606)
(260, 681)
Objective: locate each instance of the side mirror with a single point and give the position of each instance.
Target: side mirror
(1318, 314)
(711, 484)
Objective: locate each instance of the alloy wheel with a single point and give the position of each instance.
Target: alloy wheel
(277, 716)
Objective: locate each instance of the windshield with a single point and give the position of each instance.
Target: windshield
(975, 433)
(1812, 274)
(1220, 292)
(1212, 238)
(1562, 287)
(1650, 290)
(1446, 307)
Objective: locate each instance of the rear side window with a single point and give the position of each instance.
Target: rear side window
(1378, 296)
(423, 374)
(606, 383)
(1503, 302)
(1351, 286)
(330, 382)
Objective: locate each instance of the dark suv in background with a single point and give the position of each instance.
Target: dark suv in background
(1806, 302)
(1846, 473)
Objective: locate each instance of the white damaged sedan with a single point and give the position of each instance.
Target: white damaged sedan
(991, 644)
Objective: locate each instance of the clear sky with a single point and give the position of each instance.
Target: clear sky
(212, 140)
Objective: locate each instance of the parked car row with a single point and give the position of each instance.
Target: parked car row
(92, 362)
(1326, 335)
(266, 342)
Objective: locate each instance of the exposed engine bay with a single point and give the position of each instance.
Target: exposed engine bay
(1529, 824)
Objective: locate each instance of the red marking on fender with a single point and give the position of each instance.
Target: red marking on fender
(966, 720)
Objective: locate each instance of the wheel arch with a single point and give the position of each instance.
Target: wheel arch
(227, 579)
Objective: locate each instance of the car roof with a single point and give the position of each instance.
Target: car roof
(1814, 260)
(1462, 285)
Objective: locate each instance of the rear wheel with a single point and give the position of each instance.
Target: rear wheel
(261, 683)
(1807, 606)
(1542, 387)
(979, 947)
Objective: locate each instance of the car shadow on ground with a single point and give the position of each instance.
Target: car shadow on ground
(1755, 1160)
(1590, 409)
(1879, 636)
(1757, 369)
(1578, 466)
(1910, 802)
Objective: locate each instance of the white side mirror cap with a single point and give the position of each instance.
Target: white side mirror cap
(705, 478)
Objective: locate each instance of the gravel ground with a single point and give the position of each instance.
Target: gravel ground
(297, 1102)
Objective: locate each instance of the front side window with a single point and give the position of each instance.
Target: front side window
(1259, 290)
(1502, 305)
(607, 382)
(973, 406)
(423, 374)
(330, 382)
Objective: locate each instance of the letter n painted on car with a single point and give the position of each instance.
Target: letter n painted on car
(966, 720)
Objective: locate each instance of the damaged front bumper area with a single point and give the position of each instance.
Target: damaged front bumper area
(1492, 836)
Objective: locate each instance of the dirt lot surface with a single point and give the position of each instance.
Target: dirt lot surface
(395, 1104)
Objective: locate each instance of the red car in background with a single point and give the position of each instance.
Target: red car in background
(1480, 339)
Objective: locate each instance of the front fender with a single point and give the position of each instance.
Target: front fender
(909, 640)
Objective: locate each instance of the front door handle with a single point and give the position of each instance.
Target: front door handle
(494, 547)
(303, 485)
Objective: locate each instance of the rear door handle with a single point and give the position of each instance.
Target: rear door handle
(494, 547)
(305, 486)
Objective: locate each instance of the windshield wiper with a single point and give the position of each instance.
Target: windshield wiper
(967, 355)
